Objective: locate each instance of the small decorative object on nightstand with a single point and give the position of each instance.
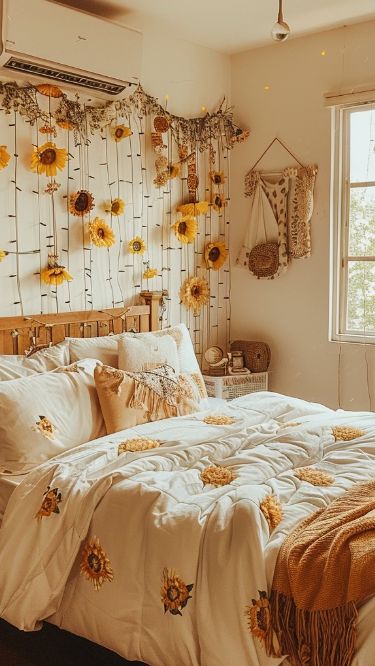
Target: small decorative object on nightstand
(233, 386)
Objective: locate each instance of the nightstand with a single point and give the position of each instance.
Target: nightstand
(233, 386)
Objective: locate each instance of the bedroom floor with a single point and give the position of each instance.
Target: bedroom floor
(53, 646)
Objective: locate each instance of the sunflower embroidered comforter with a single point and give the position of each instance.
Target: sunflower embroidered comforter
(160, 542)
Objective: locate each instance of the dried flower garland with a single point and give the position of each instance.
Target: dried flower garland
(215, 255)
(195, 293)
(101, 233)
(194, 133)
(81, 202)
(55, 274)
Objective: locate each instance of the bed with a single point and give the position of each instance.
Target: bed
(158, 541)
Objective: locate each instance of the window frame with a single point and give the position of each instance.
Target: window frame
(340, 214)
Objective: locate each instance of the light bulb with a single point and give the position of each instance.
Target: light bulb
(280, 31)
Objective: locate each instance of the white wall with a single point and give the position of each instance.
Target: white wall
(291, 313)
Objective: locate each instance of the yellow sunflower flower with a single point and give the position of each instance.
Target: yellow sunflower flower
(259, 616)
(195, 293)
(186, 229)
(52, 498)
(3, 254)
(100, 233)
(137, 245)
(115, 207)
(193, 209)
(217, 177)
(55, 276)
(174, 592)
(149, 273)
(218, 202)
(120, 132)
(95, 565)
(4, 157)
(48, 158)
(80, 203)
(49, 90)
(215, 255)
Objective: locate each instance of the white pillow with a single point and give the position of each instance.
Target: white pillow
(103, 348)
(46, 414)
(13, 367)
(144, 352)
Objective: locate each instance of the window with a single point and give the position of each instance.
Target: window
(353, 215)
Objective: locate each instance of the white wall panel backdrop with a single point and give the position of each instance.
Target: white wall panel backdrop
(107, 277)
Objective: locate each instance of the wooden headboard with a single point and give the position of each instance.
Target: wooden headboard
(19, 334)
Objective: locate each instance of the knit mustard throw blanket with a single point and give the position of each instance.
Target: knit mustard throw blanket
(324, 571)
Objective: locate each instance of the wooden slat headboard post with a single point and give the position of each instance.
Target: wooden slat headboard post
(154, 299)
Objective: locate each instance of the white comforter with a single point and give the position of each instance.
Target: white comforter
(151, 512)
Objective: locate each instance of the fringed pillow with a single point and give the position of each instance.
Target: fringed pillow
(128, 399)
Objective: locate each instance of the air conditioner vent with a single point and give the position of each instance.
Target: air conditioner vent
(64, 77)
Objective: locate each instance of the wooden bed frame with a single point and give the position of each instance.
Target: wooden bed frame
(23, 335)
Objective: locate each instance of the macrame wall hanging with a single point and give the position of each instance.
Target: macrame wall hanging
(280, 214)
(100, 200)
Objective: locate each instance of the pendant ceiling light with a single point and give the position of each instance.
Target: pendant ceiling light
(280, 31)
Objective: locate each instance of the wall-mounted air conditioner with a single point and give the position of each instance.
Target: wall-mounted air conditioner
(50, 41)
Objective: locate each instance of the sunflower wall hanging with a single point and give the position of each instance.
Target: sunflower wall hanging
(185, 229)
(81, 203)
(137, 245)
(4, 157)
(101, 233)
(55, 273)
(195, 293)
(115, 207)
(47, 159)
(120, 132)
(215, 255)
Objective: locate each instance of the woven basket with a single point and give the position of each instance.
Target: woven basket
(264, 259)
(257, 355)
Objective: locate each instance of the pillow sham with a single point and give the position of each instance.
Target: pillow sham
(147, 351)
(186, 355)
(46, 414)
(103, 348)
(44, 360)
(128, 399)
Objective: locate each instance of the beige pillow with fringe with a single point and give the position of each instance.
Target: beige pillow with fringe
(128, 399)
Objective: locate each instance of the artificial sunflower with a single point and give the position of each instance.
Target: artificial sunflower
(215, 255)
(198, 208)
(174, 592)
(81, 202)
(49, 90)
(100, 233)
(259, 616)
(195, 293)
(149, 273)
(95, 565)
(52, 498)
(137, 245)
(3, 254)
(217, 177)
(48, 158)
(115, 207)
(120, 132)
(4, 157)
(218, 201)
(186, 229)
(173, 171)
(65, 124)
(55, 273)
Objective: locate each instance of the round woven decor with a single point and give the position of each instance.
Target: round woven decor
(264, 259)
(257, 355)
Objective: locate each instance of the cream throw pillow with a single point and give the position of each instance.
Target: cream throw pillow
(46, 414)
(103, 348)
(130, 399)
(147, 351)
